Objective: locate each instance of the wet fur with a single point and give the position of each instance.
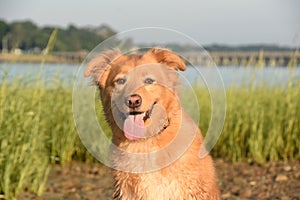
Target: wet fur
(189, 177)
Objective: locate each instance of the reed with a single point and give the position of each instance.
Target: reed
(37, 129)
(262, 123)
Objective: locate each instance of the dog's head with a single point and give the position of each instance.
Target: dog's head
(138, 92)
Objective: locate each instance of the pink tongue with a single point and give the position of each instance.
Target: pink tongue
(134, 127)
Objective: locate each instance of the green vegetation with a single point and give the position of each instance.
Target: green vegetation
(37, 128)
(262, 123)
(29, 37)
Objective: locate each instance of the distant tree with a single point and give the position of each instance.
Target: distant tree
(27, 36)
(104, 31)
(3, 30)
(23, 34)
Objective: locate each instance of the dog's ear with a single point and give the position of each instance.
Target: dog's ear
(98, 67)
(167, 57)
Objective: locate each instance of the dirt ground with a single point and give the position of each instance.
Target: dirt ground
(272, 180)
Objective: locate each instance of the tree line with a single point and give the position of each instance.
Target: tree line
(27, 36)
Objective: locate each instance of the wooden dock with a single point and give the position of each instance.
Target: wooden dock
(262, 58)
(243, 58)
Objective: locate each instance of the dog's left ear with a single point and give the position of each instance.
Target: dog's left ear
(167, 57)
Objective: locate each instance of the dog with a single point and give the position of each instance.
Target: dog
(158, 142)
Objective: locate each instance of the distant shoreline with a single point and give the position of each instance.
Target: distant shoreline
(242, 58)
(34, 58)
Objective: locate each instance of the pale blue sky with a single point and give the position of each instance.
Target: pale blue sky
(210, 21)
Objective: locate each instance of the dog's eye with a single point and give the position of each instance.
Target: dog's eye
(149, 81)
(121, 81)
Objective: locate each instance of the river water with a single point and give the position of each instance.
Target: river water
(237, 76)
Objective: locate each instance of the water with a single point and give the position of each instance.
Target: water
(237, 76)
(244, 76)
(48, 71)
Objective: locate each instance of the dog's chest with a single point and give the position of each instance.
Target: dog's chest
(153, 185)
(156, 183)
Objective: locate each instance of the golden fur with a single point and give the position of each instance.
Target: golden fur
(189, 177)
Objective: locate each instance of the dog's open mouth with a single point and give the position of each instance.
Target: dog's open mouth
(134, 124)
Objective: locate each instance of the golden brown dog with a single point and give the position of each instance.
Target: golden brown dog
(160, 142)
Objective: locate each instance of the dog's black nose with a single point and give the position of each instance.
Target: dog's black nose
(134, 101)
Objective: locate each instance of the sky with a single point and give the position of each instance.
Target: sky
(230, 22)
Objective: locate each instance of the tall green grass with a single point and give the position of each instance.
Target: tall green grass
(262, 121)
(37, 128)
(261, 124)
